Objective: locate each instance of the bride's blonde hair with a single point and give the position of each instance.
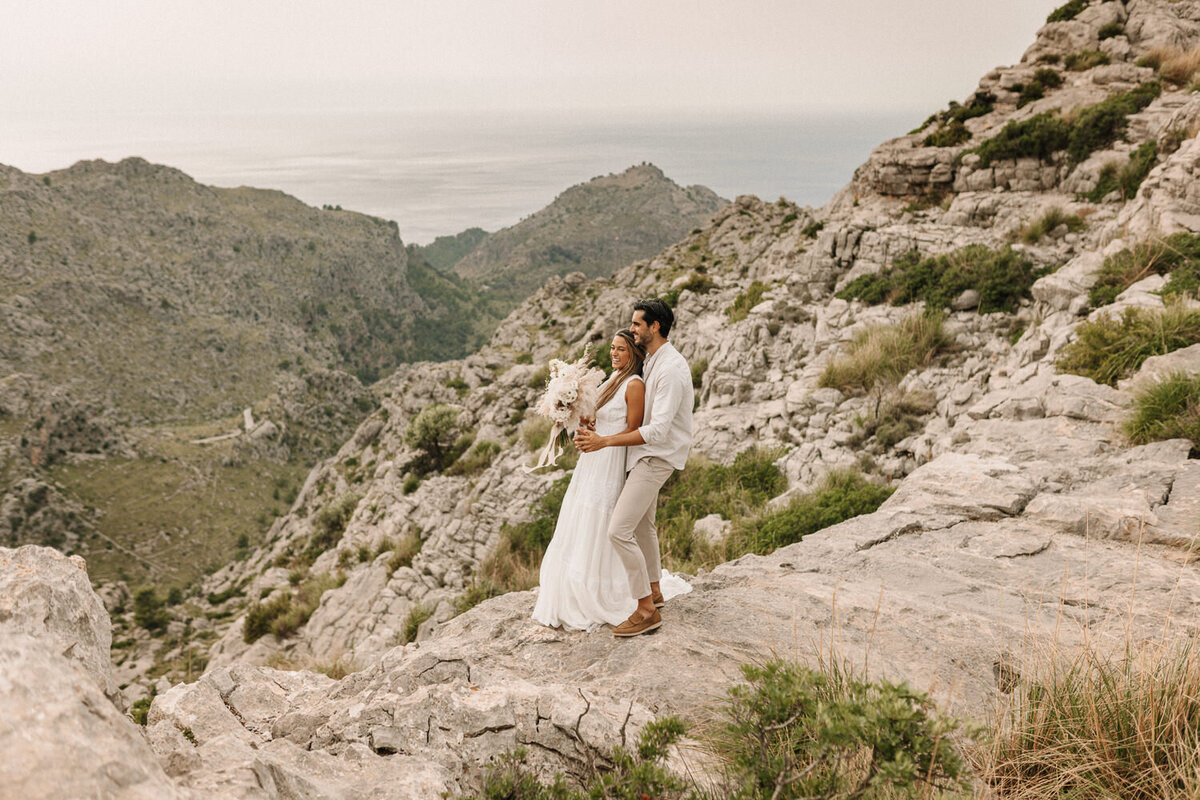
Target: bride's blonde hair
(637, 355)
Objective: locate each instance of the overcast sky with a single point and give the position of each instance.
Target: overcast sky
(76, 57)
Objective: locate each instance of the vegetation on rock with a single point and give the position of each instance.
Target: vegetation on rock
(1002, 277)
(1125, 178)
(881, 355)
(1108, 349)
(1177, 256)
(1167, 409)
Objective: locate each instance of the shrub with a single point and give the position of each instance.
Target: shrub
(1177, 255)
(637, 774)
(476, 460)
(1085, 60)
(433, 432)
(699, 367)
(536, 432)
(1125, 178)
(330, 524)
(140, 709)
(404, 551)
(843, 494)
(1048, 77)
(883, 354)
(811, 230)
(1102, 124)
(260, 616)
(1067, 11)
(539, 378)
(149, 611)
(1098, 727)
(418, 614)
(1108, 349)
(1168, 409)
(513, 566)
(411, 482)
(1028, 92)
(700, 284)
(704, 488)
(745, 301)
(1110, 30)
(794, 732)
(457, 383)
(1055, 216)
(1040, 136)
(1002, 278)
(948, 135)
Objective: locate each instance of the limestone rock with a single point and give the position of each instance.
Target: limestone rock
(47, 595)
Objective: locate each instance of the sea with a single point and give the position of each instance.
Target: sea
(439, 173)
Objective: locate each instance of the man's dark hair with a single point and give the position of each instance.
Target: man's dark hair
(655, 310)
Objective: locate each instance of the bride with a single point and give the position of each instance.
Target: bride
(583, 584)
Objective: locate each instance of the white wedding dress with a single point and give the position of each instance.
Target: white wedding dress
(582, 583)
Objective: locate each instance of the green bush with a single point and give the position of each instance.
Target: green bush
(1100, 125)
(149, 611)
(1125, 178)
(639, 773)
(1067, 11)
(1002, 278)
(286, 612)
(411, 482)
(1028, 92)
(433, 432)
(1110, 30)
(1040, 136)
(1177, 256)
(811, 230)
(1085, 60)
(948, 135)
(1055, 216)
(704, 488)
(1108, 349)
(260, 616)
(1048, 77)
(140, 709)
(793, 732)
(843, 494)
(698, 283)
(416, 615)
(404, 551)
(330, 524)
(475, 594)
(745, 301)
(1168, 409)
(699, 367)
(476, 460)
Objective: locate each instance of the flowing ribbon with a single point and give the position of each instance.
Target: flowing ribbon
(550, 452)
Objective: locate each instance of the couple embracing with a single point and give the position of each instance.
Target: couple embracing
(603, 563)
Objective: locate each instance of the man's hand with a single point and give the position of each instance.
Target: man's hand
(588, 441)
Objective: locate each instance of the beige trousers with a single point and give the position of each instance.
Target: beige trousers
(631, 528)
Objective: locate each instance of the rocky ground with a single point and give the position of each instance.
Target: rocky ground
(1022, 519)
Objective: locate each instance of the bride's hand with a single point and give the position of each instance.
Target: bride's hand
(587, 422)
(587, 440)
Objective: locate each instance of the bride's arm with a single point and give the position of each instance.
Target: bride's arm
(635, 401)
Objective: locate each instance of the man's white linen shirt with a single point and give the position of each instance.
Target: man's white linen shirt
(669, 401)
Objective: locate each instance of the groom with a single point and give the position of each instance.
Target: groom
(656, 449)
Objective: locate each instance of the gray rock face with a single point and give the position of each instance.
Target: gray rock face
(61, 737)
(46, 595)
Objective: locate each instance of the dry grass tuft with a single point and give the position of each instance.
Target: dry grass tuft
(1173, 64)
(1095, 726)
